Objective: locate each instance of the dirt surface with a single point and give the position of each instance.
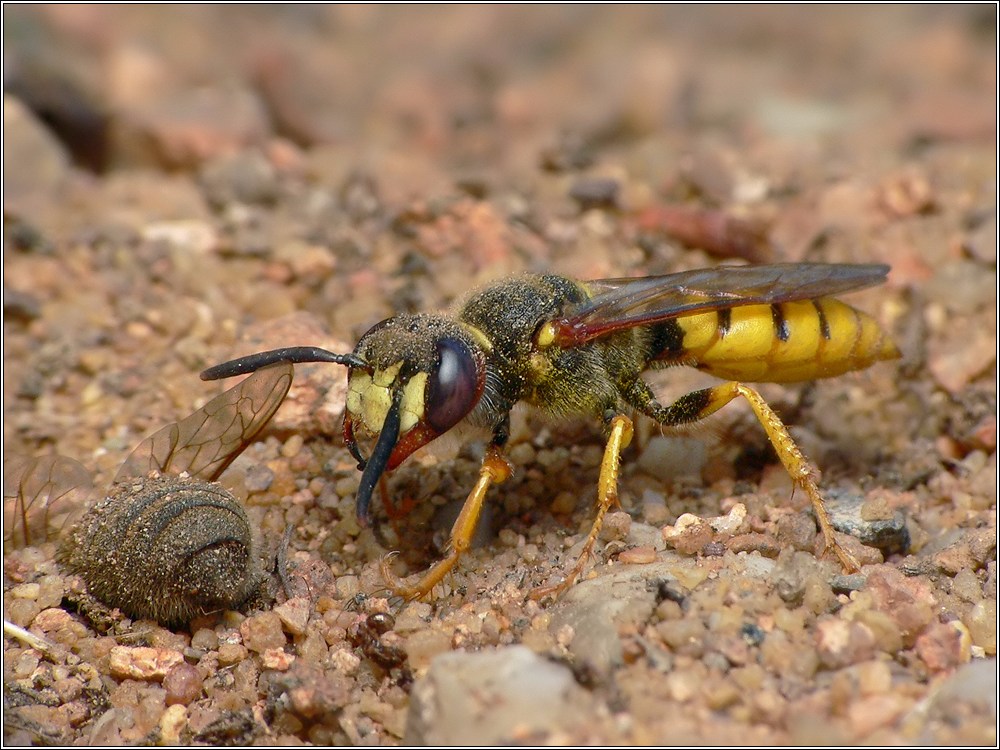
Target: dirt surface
(187, 185)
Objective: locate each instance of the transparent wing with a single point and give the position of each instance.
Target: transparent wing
(204, 443)
(616, 304)
(42, 496)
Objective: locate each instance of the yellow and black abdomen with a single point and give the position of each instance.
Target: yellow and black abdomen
(778, 343)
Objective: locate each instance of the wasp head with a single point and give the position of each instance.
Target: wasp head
(424, 374)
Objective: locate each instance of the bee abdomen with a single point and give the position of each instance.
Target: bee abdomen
(782, 343)
(167, 549)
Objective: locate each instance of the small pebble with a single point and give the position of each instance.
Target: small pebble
(616, 526)
(669, 458)
(595, 192)
(25, 591)
(205, 639)
(845, 584)
(685, 636)
(864, 518)
(512, 693)
(874, 677)
(143, 662)
(522, 454)
(966, 585)
(276, 658)
(259, 478)
(231, 653)
(944, 645)
(875, 711)
(974, 684)
(763, 544)
(50, 591)
(982, 624)
(888, 636)
(564, 503)
(347, 587)
(262, 632)
(183, 684)
(682, 686)
(52, 620)
(292, 446)
(713, 549)
(172, 721)
(26, 663)
(294, 615)
(424, 645)
(689, 534)
(840, 643)
(346, 662)
(637, 555)
(730, 523)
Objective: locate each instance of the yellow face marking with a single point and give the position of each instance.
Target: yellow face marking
(385, 378)
(357, 384)
(369, 397)
(412, 405)
(375, 403)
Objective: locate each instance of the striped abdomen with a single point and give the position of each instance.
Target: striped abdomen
(166, 548)
(779, 343)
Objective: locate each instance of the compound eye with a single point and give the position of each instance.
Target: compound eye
(454, 388)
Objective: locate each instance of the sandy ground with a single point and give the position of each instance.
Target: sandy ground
(186, 185)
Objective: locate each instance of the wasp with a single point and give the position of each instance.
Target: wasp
(572, 347)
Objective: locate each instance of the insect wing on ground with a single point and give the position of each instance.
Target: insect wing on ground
(46, 495)
(42, 496)
(204, 443)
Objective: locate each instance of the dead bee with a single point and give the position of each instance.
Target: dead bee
(571, 347)
(166, 542)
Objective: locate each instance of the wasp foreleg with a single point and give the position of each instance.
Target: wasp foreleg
(700, 404)
(495, 468)
(607, 496)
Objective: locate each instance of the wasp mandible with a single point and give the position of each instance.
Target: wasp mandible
(580, 347)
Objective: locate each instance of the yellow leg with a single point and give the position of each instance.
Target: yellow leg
(700, 404)
(495, 469)
(607, 496)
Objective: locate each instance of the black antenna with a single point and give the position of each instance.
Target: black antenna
(293, 354)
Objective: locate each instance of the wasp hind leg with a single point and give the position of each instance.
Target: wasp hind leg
(494, 469)
(607, 496)
(700, 404)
